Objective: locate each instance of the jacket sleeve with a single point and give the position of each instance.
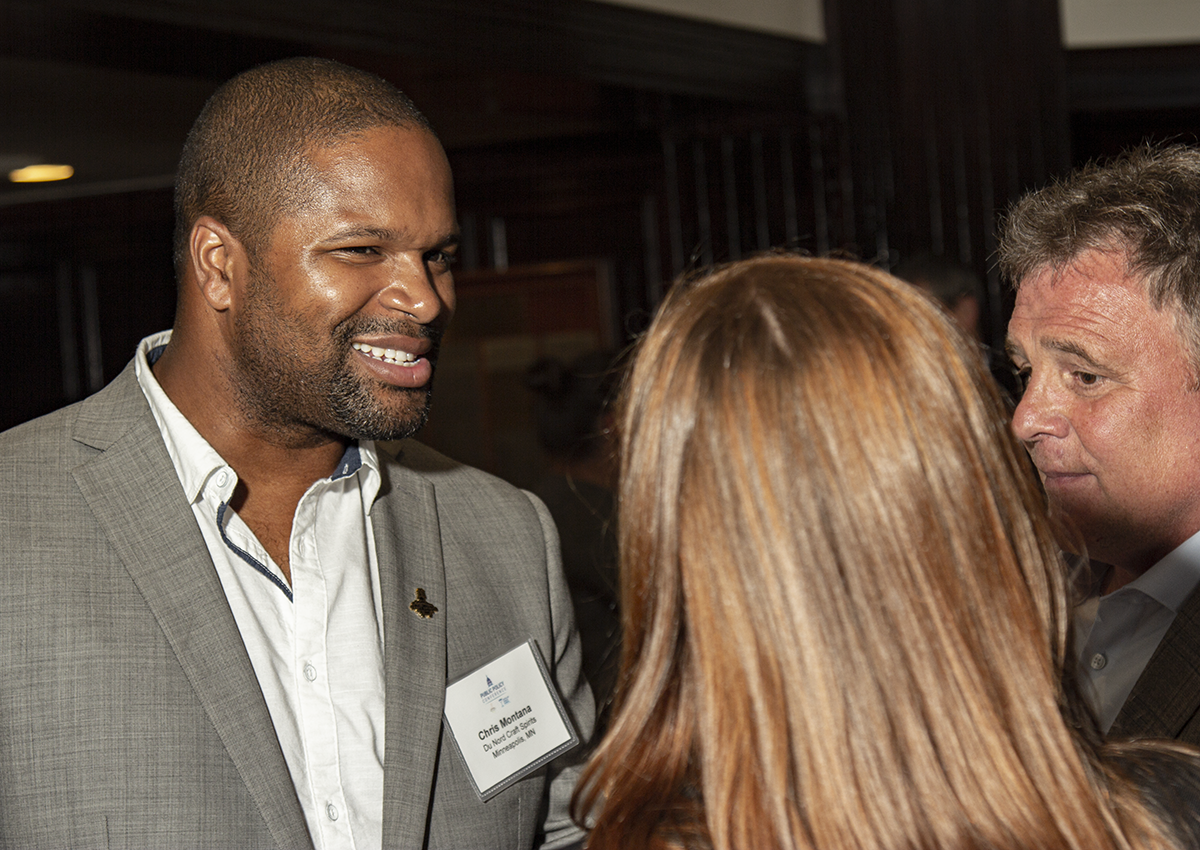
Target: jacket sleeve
(559, 831)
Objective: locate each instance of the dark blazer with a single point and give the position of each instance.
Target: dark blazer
(130, 715)
(1165, 701)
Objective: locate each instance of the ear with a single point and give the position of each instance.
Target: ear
(216, 256)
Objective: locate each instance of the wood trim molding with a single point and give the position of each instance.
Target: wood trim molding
(598, 41)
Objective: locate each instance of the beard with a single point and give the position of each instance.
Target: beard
(371, 410)
(308, 401)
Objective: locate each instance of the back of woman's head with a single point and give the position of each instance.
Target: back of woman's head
(844, 618)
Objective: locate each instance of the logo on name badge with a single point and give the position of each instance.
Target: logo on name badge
(495, 694)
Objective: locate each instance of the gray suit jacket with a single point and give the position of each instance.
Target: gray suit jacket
(130, 715)
(1165, 700)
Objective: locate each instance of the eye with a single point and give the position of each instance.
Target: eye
(1087, 378)
(360, 250)
(441, 259)
(1022, 373)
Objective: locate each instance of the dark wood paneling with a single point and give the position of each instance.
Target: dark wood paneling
(951, 111)
(1122, 97)
(103, 35)
(1099, 134)
(81, 282)
(612, 44)
(1142, 79)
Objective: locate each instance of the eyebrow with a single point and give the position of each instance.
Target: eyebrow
(1074, 349)
(1066, 346)
(361, 233)
(384, 234)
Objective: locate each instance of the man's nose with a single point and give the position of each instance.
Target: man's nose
(1039, 414)
(413, 291)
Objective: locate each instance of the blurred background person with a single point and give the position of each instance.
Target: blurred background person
(844, 612)
(960, 291)
(955, 286)
(573, 427)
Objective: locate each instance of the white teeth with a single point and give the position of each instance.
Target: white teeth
(387, 355)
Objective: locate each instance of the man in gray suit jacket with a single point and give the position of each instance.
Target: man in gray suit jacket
(1106, 334)
(234, 591)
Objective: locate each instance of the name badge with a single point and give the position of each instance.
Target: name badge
(507, 720)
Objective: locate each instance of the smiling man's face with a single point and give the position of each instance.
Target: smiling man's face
(336, 329)
(1110, 413)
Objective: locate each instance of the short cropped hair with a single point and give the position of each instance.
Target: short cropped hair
(1145, 203)
(244, 160)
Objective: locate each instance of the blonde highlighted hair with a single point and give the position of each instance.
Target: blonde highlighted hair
(844, 616)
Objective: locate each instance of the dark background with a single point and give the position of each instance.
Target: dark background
(640, 143)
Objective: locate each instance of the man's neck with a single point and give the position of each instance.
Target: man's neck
(1130, 567)
(192, 379)
(274, 470)
(1117, 578)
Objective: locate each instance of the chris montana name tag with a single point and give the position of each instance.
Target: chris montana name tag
(507, 719)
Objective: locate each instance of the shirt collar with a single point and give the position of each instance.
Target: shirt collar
(363, 458)
(1171, 581)
(196, 461)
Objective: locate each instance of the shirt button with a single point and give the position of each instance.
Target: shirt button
(310, 672)
(332, 811)
(1098, 661)
(222, 478)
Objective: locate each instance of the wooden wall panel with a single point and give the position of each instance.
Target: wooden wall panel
(951, 111)
(81, 282)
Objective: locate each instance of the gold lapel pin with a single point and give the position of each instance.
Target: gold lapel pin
(421, 606)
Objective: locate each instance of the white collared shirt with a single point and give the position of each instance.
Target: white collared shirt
(317, 645)
(1118, 633)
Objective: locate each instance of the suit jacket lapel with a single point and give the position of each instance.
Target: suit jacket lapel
(1167, 694)
(409, 548)
(135, 494)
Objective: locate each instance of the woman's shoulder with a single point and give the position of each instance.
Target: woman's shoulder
(1167, 773)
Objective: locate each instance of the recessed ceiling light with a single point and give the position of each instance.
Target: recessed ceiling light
(40, 173)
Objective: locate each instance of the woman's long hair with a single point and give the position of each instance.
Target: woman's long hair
(845, 620)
